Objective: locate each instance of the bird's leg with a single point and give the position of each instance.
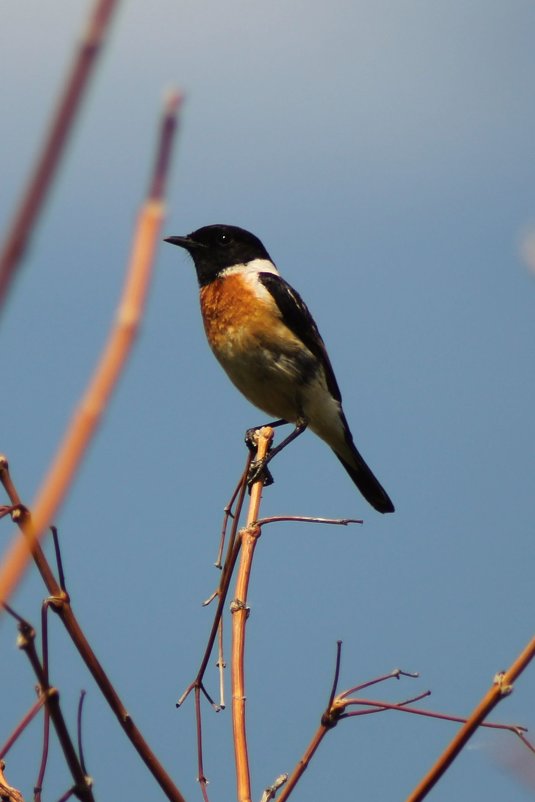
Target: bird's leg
(250, 439)
(250, 442)
(258, 467)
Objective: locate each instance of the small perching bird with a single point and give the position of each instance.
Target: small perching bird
(262, 333)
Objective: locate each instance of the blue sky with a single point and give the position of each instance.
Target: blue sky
(384, 152)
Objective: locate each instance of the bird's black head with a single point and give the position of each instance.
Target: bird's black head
(214, 248)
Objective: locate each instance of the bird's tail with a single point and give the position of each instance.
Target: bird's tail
(369, 486)
(335, 431)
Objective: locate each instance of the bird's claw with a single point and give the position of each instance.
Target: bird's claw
(250, 439)
(258, 470)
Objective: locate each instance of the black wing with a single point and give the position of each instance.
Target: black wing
(294, 313)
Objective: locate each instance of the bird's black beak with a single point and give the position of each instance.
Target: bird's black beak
(184, 242)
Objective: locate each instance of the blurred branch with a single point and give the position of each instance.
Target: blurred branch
(7, 792)
(249, 538)
(40, 182)
(502, 686)
(93, 404)
(60, 603)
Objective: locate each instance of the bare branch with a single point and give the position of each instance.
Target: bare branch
(54, 145)
(502, 686)
(94, 402)
(309, 519)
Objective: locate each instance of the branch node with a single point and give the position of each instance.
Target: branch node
(504, 687)
(237, 604)
(253, 529)
(271, 790)
(331, 716)
(26, 635)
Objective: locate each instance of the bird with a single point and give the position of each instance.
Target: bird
(263, 335)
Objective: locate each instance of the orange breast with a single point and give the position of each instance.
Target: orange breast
(233, 313)
(261, 356)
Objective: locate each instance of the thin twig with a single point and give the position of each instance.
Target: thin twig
(336, 674)
(59, 561)
(44, 757)
(304, 762)
(395, 674)
(94, 402)
(21, 726)
(201, 777)
(79, 731)
(328, 721)
(271, 790)
(378, 706)
(67, 795)
(46, 719)
(221, 664)
(249, 537)
(309, 519)
(40, 182)
(227, 513)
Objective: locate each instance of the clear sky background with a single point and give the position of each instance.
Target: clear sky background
(385, 154)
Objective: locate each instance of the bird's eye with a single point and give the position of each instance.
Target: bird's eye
(223, 238)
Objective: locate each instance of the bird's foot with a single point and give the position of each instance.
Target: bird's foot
(258, 470)
(250, 439)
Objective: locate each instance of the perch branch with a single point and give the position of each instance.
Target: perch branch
(249, 538)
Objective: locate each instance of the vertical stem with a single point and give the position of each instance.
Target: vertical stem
(249, 535)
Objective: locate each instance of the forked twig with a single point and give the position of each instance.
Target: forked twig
(87, 417)
(337, 710)
(502, 686)
(54, 146)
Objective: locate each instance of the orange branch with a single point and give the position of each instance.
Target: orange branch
(93, 404)
(502, 686)
(249, 535)
(33, 200)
